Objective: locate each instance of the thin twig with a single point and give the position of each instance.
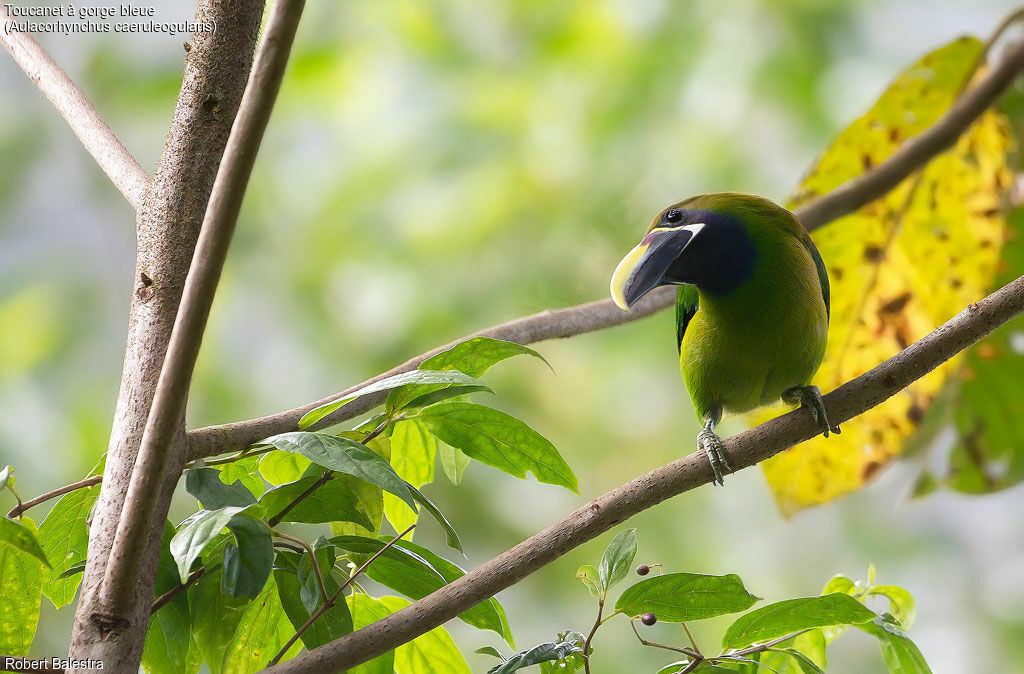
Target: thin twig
(120, 166)
(590, 637)
(168, 405)
(312, 561)
(598, 516)
(60, 491)
(166, 597)
(327, 605)
(676, 649)
(689, 635)
(602, 314)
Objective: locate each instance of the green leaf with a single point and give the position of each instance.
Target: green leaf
(365, 611)
(279, 467)
(793, 615)
(414, 377)
(590, 576)
(370, 496)
(416, 572)
(21, 579)
(451, 536)
(901, 655)
(64, 538)
(334, 623)
(901, 603)
(196, 532)
(245, 471)
(205, 484)
(73, 570)
(5, 475)
(169, 647)
(21, 538)
(541, 653)
(413, 451)
(679, 597)
(840, 583)
(490, 650)
(477, 355)
(453, 462)
(215, 617)
(415, 396)
(432, 653)
(326, 554)
(802, 663)
(333, 502)
(487, 615)
(499, 440)
(262, 630)
(617, 559)
(346, 456)
(803, 654)
(248, 559)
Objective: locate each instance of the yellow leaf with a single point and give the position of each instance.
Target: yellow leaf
(899, 267)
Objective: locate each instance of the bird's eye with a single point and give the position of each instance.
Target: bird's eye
(674, 215)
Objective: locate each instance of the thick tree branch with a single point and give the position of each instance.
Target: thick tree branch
(112, 156)
(168, 409)
(216, 70)
(592, 316)
(743, 450)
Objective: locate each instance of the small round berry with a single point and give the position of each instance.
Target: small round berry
(643, 570)
(648, 619)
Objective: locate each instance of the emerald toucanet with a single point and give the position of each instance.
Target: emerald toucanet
(752, 309)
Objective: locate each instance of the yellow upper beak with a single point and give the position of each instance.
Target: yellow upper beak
(623, 271)
(644, 267)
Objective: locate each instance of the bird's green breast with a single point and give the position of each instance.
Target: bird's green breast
(743, 348)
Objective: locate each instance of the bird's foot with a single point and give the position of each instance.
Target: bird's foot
(810, 397)
(712, 446)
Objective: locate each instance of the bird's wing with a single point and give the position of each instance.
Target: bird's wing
(686, 307)
(822, 273)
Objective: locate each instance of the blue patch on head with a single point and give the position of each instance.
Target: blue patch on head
(719, 259)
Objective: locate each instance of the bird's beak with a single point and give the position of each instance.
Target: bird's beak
(643, 269)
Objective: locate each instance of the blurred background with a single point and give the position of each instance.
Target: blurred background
(434, 168)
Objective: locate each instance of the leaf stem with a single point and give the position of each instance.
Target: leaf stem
(329, 603)
(312, 561)
(689, 635)
(677, 649)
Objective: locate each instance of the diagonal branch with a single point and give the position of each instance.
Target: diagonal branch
(168, 407)
(115, 160)
(592, 316)
(646, 491)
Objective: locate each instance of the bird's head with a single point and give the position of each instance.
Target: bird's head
(707, 241)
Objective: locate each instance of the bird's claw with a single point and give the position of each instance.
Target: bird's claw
(810, 397)
(712, 446)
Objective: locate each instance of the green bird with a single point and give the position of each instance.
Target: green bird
(752, 309)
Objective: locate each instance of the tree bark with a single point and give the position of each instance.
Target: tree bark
(216, 70)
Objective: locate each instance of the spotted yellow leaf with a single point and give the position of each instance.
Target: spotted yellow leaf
(899, 267)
